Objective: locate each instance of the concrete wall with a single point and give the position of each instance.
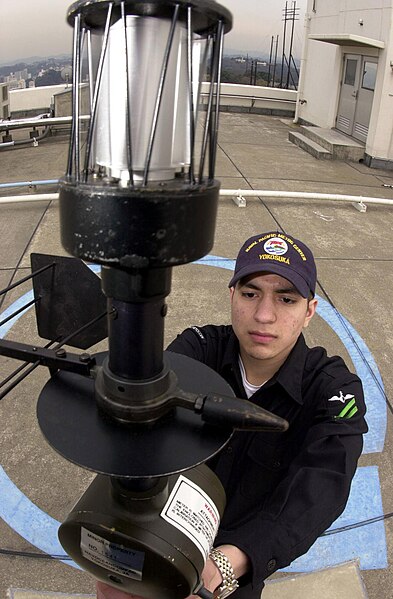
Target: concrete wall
(253, 98)
(4, 101)
(242, 97)
(63, 101)
(33, 99)
(322, 65)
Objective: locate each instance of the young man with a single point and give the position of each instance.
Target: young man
(283, 489)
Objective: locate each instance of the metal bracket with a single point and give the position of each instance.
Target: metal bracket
(239, 200)
(360, 206)
(55, 359)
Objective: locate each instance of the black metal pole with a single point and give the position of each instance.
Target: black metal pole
(270, 61)
(283, 45)
(275, 61)
(293, 15)
(136, 311)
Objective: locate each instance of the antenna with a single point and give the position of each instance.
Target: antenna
(66, 74)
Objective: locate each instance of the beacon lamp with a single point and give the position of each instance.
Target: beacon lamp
(139, 197)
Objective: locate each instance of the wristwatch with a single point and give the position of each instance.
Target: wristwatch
(229, 582)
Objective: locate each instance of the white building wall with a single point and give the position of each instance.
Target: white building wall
(320, 89)
(380, 138)
(323, 64)
(34, 98)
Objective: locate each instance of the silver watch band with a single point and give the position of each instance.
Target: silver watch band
(229, 582)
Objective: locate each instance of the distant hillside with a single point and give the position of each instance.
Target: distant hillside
(31, 60)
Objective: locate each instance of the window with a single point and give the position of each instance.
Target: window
(369, 75)
(5, 93)
(350, 72)
(5, 112)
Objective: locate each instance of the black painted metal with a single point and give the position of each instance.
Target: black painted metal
(190, 71)
(160, 90)
(206, 12)
(214, 133)
(128, 108)
(94, 105)
(136, 339)
(76, 363)
(27, 278)
(70, 297)
(136, 324)
(11, 316)
(134, 229)
(72, 424)
(131, 522)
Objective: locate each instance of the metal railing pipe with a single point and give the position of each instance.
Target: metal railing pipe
(262, 193)
(303, 195)
(29, 183)
(37, 197)
(22, 123)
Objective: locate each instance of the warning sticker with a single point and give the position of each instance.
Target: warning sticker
(113, 557)
(192, 512)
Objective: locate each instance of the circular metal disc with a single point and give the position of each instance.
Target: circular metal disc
(69, 419)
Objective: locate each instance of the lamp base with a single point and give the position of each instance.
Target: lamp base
(152, 543)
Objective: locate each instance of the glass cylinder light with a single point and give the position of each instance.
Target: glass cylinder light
(145, 62)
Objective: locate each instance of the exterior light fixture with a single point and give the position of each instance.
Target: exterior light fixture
(148, 145)
(139, 197)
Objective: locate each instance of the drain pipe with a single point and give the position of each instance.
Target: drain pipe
(303, 62)
(239, 196)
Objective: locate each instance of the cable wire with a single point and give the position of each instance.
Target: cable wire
(203, 593)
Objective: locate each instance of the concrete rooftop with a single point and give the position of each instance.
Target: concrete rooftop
(354, 254)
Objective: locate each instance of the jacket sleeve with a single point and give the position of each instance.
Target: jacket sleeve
(314, 490)
(189, 343)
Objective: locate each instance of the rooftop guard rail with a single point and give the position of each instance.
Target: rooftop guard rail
(228, 91)
(255, 98)
(38, 122)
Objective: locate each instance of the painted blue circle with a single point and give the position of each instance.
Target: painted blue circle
(40, 529)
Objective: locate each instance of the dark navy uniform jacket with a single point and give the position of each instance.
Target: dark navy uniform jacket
(284, 489)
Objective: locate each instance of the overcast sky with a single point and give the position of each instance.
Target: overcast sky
(38, 27)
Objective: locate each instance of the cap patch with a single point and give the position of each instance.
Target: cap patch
(275, 246)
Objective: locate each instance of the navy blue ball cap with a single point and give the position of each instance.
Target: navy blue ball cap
(279, 254)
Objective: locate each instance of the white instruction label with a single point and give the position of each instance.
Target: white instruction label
(113, 557)
(191, 510)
